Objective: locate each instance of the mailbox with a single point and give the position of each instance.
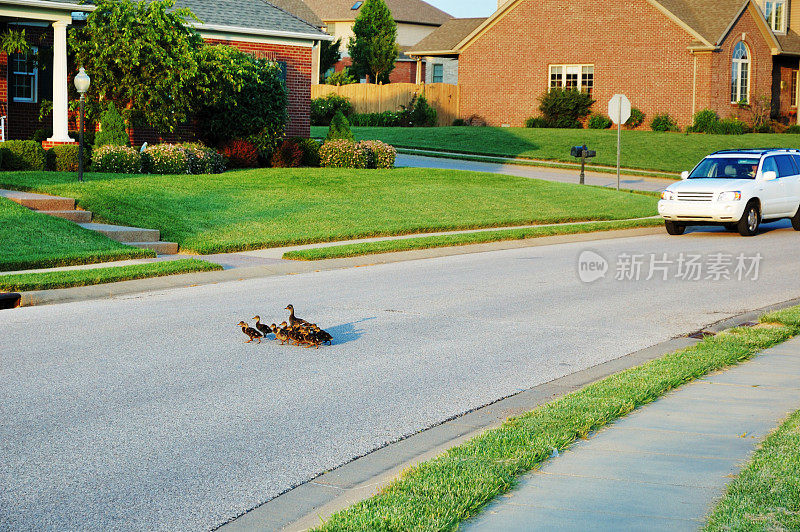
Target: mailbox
(582, 151)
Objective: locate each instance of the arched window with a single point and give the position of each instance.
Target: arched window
(740, 74)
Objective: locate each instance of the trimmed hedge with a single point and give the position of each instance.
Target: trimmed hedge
(66, 158)
(116, 160)
(23, 155)
(343, 153)
(204, 160)
(241, 153)
(165, 159)
(382, 155)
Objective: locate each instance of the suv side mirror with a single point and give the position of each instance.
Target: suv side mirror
(684, 175)
(769, 176)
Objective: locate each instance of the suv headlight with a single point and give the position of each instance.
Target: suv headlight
(730, 196)
(668, 195)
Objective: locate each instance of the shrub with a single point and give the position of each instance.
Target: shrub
(288, 154)
(564, 108)
(384, 119)
(382, 155)
(705, 121)
(165, 159)
(343, 153)
(794, 129)
(324, 109)
(636, 119)
(24, 155)
(418, 113)
(598, 121)
(117, 160)
(562, 123)
(66, 158)
(42, 134)
(476, 121)
(4, 156)
(204, 160)
(310, 152)
(50, 160)
(536, 122)
(664, 122)
(342, 77)
(731, 126)
(241, 153)
(459, 122)
(340, 128)
(112, 129)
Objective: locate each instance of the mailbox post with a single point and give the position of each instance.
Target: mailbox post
(583, 153)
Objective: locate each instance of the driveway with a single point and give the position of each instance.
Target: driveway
(150, 411)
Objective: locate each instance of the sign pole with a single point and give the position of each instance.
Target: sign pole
(619, 146)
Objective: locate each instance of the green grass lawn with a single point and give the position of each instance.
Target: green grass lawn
(464, 239)
(30, 240)
(272, 207)
(26, 282)
(646, 150)
(766, 494)
(442, 492)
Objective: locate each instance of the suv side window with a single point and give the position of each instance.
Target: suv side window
(769, 165)
(785, 166)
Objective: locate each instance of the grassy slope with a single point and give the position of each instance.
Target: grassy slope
(648, 150)
(25, 282)
(442, 492)
(388, 246)
(32, 240)
(271, 207)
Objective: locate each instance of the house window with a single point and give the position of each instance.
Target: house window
(438, 73)
(740, 74)
(793, 95)
(284, 69)
(25, 75)
(575, 77)
(775, 13)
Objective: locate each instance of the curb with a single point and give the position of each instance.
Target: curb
(102, 291)
(306, 505)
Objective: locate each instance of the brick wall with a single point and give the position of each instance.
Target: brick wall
(634, 48)
(404, 71)
(23, 117)
(4, 88)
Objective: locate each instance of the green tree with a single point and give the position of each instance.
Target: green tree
(112, 129)
(142, 56)
(329, 54)
(373, 46)
(340, 128)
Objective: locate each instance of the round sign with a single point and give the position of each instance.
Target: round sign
(619, 109)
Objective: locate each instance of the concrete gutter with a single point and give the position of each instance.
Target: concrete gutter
(308, 504)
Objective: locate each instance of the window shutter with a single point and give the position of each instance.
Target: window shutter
(45, 72)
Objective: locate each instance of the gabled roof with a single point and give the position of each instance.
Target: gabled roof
(445, 38)
(411, 11)
(299, 9)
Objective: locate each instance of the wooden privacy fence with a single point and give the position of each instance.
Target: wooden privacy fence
(369, 98)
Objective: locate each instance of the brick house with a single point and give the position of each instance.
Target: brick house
(674, 56)
(415, 20)
(255, 27)
(438, 50)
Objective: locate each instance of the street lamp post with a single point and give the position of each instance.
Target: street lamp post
(82, 82)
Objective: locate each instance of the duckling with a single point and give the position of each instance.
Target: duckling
(294, 320)
(281, 333)
(249, 331)
(263, 327)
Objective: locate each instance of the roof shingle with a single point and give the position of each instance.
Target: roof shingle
(413, 11)
(446, 37)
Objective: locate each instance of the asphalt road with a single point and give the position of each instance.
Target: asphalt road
(600, 179)
(150, 412)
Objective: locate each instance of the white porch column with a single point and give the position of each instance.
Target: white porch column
(60, 98)
(420, 81)
(315, 60)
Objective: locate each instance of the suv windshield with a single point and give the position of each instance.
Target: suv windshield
(726, 168)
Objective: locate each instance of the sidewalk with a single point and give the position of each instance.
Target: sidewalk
(664, 466)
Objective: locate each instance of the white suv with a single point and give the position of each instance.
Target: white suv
(738, 189)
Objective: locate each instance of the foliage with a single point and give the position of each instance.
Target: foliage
(340, 128)
(564, 108)
(599, 121)
(418, 113)
(203, 160)
(116, 160)
(329, 54)
(636, 119)
(759, 111)
(142, 56)
(704, 121)
(289, 154)
(794, 129)
(476, 121)
(373, 46)
(664, 122)
(112, 129)
(23, 155)
(5, 153)
(384, 119)
(382, 155)
(343, 77)
(241, 153)
(459, 122)
(310, 152)
(732, 126)
(165, 159)
(50, 160)
(541, 122)
(66, 158)
(42, 134)
(323, 109)
(342, 153)
(240, 96)
(14, 42)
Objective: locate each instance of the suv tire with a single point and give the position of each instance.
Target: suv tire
(674, 228)
(751, 219)
(796, 220)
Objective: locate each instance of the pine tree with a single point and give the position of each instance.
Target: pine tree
(340, 128)
(112, 129)
(373, 46)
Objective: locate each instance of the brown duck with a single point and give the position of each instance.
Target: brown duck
(294, 320)
(250, 332)
(263, 327)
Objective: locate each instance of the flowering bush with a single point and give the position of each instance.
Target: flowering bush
(344, 154)
(116, 160)
(241, 153)
(289, 154)
(323, 109)
(204, 160)
(165, 159)
(382, 155)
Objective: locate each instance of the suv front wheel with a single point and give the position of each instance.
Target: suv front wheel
(751, 219)
(674, 228)
(796, 220)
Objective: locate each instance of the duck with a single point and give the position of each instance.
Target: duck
(294, 320)
(249, 331)
(263, 327)
(281, 333)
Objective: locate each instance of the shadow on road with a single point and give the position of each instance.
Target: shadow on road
(347, 332)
